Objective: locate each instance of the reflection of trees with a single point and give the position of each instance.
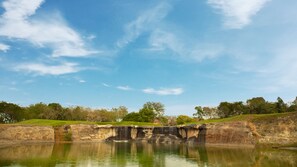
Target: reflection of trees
(141, 154)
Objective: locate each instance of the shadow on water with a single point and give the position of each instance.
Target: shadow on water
(142, 154)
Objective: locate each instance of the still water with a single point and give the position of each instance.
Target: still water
(144, 155)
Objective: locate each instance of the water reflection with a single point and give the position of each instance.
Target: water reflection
(141, 154)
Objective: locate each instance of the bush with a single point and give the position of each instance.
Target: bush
(182, 119)
(133, 116)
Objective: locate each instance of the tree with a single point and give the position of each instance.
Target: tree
(199, 112)
(37, 110)
(281, 106)
(225, 110)
(156, 107)
(231, 109)
(133, 116)
(10, 113)
(182, 119)
(147, 115)
(120, 112)
(210, 112)
(257, 105)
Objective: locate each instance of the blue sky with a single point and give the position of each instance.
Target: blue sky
(104, 54)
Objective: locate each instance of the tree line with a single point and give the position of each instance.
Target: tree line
(256, 105)
(10, 113)
(150, 112)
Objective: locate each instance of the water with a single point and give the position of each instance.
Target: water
(142, 154)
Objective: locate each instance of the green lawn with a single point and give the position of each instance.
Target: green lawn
(248, 117)
(46, 122)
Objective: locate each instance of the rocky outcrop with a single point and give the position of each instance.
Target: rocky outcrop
(274, 130)
(277, 130)
(233, 133)
(24, 133)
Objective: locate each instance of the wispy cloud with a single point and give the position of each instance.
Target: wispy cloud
(82, 81)
(125, 88)
(49, 31)
(106, 85)
(4, 47)
(145, 22)
(164, 91)
(164, 41)
(237, 13)
(43, 69)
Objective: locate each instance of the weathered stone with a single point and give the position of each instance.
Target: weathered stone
(25, 133)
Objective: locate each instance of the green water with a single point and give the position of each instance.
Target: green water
(142, 154)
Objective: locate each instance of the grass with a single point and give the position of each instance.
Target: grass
(46, 122)
(248, 117)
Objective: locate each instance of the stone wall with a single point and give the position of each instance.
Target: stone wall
(24, 133)
(279, 130)
(91, 132)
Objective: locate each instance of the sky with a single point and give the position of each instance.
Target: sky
(110, 53)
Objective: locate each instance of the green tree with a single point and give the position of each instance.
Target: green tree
(147, 115)
(281, 106)
(210, 112)
(133, 116)
(257, 105)
(182, 119)
(10, 112)
(36, 111)
(199, 112)
(156, 107)
(225, 109)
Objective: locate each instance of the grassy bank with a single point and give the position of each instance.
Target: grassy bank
(46, 122)
(248, 117)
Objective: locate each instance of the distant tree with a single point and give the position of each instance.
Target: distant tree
(225, 110)
(199, 112)
(36, 111)
(210, 112)
(147, 114)
(76, 113)
(171, 120)
(257, 105)
(54, 112)
(133, 116)
(156, 107)
(120, 112)
(10, 112)
(293, 106)
(281, 106)
(182, 119)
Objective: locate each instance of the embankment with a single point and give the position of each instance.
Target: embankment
(273, 131)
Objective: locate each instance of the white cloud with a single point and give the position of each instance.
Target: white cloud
(106, 85)
(237, 13)
(125, 88)
(50, 31)
(4, 47)
(163, 91)
(145, 22)
(82, 81)
(43, 69)
(162, 41)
